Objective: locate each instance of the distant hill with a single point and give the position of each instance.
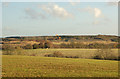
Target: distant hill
(62, 41)
(65, 38)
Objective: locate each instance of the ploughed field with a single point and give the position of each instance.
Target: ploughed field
(38, 66)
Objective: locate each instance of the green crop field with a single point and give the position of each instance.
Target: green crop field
(36, 66)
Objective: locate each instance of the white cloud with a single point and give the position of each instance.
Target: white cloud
(56, 10)
(31, 13)
(97, 12)
(47, 10)
(100, 18)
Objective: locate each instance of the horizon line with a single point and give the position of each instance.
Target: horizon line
(59, 35)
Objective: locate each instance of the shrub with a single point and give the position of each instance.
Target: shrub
(48, 44)
(71, 56)
(76, 56)
(7, 47)
(41, 45)
(55, 54)
(119, 57)
(49, 55)
(62, 45)
(105, 54)
(28, 46)
(36, 46)
(7, 52)
(33, 54)
(59, 54)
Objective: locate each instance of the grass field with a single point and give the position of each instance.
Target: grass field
(68, 52)
(82, 53)
(36, 66)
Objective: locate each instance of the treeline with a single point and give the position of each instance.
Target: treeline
(91, 46)
(49, 44)
(71, 45)
(46, 44)
(40, 45)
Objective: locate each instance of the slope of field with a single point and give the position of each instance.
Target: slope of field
(35, 66)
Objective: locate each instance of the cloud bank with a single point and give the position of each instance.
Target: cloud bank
(45, 11)
(56, 10)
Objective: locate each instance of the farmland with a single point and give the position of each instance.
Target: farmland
(40, 66)
(70, 56)
(30, 66)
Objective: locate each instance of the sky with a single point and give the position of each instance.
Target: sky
(63, 18)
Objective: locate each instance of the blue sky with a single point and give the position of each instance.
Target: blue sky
(45, 18)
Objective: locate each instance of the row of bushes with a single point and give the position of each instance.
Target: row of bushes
(59, 54)
(49, 44)
(95, 45)
(103, 54)
(28, 46)
(41, 45)
(106, 54)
